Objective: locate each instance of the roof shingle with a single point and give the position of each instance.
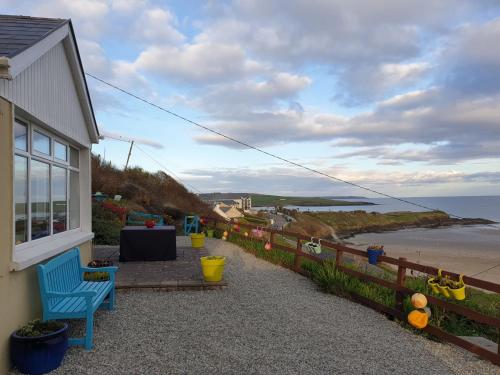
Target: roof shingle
(18, 33)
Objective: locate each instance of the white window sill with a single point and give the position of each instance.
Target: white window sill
(38, 253)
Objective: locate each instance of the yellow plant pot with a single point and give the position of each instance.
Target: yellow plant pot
(433, 285)
(458, 294)
(198, 240)
(212, 267)
(444, 290)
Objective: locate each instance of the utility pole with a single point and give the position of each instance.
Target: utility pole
(129, 152)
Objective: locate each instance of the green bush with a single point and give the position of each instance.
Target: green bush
(106, 226)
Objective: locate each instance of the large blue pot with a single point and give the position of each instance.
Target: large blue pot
(373, 255)
(41, 354)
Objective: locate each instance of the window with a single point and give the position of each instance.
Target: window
(41, 143)
(74, 201)
(21, 198)
(60, 151)
(40, 199)
(59, 199)
(74, 157)
(20, 136)
(46, 185)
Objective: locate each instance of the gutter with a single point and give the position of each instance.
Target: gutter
(4, 68)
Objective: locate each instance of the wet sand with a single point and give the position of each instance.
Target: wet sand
(460, 249)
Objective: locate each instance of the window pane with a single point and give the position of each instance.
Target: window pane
(40, 199)
(20, 136)
(21, 198)
(74, 156)
(41, 143)
(60, 151)
(59, 199)
(74, 200)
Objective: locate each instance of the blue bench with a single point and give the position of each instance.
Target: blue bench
(65, 295)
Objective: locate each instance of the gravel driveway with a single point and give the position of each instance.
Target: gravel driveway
(267, 321)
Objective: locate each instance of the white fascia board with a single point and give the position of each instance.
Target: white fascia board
(72, 55)
(21, 61)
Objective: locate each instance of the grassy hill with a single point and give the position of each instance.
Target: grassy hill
(156, 193)
(263, 200)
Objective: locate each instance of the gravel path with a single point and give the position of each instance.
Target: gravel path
(268, 321)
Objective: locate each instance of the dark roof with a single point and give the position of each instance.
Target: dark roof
(18, 33)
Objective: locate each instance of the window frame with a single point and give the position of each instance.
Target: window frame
(51, 160)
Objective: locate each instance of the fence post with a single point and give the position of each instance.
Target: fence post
(271, 238)
(401, 282)
(338, 258)
(296, 263)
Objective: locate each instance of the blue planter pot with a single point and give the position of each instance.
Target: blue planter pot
(39, 355)
(373, 255)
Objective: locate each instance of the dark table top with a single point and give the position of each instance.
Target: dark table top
(142, 227)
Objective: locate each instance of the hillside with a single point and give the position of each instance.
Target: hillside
(266, 200)
(263, 200)
(156, 193)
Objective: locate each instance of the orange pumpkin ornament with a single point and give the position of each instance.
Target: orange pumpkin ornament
(418, 300)
(268, 246)
(225, 233)
(418, 318)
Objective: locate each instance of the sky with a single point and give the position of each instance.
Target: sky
(401, 96)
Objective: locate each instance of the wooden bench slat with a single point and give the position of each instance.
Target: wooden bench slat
(65, 295)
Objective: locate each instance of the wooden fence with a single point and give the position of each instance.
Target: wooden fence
(399, 288)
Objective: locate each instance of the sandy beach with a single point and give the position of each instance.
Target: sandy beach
(465, 250)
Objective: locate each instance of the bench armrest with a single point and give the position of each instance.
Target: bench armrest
(100, 269)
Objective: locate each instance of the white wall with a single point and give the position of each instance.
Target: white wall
(46, 90)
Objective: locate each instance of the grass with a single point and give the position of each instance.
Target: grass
(262, 200)
(330, 280)
(349, 223)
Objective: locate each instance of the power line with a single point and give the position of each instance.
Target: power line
(247, 145)
(167, 170)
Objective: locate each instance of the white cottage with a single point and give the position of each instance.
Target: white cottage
(47, 127)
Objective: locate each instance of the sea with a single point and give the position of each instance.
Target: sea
(485, 207)
(466, 249)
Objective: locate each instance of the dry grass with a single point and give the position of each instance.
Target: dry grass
(152, 192)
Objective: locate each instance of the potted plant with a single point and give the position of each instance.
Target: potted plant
(374, 251)
(39, 347)
(443, 286)
(457, 288)
(213, 267)
(98, 276)
(198, 239)
(433, 282)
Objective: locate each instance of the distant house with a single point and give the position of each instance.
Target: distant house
(47, 127)
(231, 199)
(227, 212)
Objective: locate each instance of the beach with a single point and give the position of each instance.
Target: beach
(461, 249)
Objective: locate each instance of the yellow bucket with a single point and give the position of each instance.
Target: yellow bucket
(459, 294)
(433, 285)
(198, 240)
(212, 267)
(445, 291)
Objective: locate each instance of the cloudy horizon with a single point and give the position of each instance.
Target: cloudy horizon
(392, 95)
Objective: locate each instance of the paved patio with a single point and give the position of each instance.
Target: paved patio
(268, 320)
(180, 274)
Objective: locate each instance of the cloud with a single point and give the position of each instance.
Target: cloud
(157, 26)
(88, 16)
(127, 138)
(198, 63)
(292, 181)
(232, 99)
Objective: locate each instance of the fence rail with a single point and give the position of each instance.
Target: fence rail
(401, 291)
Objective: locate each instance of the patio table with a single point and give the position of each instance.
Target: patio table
(138, 243)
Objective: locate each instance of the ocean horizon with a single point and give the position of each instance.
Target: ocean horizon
(484, 207)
